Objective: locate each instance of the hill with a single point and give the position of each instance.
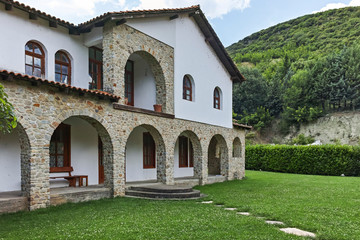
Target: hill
(319, 33)
(300, 69)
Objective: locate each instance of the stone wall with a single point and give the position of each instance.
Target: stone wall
(343, 127)
(40, 110)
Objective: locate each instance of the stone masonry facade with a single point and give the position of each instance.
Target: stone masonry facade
(41, 108)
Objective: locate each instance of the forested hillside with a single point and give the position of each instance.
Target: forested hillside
(300, 69)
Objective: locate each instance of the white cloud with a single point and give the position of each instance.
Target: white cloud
(352, 3)
(78, 11)
(211, 8)
(66, 9)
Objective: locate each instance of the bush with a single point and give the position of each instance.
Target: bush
(302, 140)
(318, 160)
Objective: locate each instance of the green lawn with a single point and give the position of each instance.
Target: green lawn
(328, 206)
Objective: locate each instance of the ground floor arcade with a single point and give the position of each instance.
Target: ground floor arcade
(112, 145)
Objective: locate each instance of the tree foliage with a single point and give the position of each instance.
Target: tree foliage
(7, 116)
(302, 68)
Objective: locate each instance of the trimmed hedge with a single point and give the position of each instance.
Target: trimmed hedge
(317, 160)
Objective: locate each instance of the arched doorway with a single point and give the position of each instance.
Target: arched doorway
(217, 156)
(83, 143)
(187, 156)
(145, 155)
(144, 81)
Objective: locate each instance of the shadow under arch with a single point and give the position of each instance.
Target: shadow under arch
(160, 152)
(236, 148)
(157, 72)
(218, 156)
(197, 151)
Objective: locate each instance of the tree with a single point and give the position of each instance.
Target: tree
(251, 94)
(7, 116)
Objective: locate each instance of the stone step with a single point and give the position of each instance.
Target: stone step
(161, 195)
(162, 189)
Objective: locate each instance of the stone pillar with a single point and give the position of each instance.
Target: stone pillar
(118, 176)
(39, 189)
(169, 170)
(113, 60)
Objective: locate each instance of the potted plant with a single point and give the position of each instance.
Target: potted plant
(157, 107)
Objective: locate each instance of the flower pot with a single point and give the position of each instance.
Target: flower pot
(157, 107)
(126, 101)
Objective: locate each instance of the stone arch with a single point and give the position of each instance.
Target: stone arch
(158, 54)
(198, 154)
(161, 171)
(105, 133)
(236, 148)
(218, 157)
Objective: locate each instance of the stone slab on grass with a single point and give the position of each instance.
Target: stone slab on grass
(230, 209)
(207, 202)
(274, 222)
(243, 213)
(298, 232)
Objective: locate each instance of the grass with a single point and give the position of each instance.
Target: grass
(327, 206)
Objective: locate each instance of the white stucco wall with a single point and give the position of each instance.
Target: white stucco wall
(195, 57)
(84, 152)
(10, 170)
(144, 84)
(181, 171)
(161, 28)
(134, 158)
(17, 30)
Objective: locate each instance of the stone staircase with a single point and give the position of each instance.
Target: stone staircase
(161, 191)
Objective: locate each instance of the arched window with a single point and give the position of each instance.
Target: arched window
(187, 88)
(34, 60)
(217, 100)
(62, 68)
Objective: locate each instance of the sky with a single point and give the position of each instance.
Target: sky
(232, 20)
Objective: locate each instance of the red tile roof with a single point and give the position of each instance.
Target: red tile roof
(27, 8)
(18, 76)
(140, 12)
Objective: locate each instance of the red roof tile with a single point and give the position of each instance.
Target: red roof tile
(59, 85)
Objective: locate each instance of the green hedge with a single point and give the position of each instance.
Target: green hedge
(318, 160)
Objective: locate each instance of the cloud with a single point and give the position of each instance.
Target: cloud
(66, 9)
(78, 11)
(352, 3)
(211, 8)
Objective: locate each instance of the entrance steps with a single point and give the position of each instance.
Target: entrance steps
(162, 191)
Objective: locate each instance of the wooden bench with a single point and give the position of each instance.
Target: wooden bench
(71, 178)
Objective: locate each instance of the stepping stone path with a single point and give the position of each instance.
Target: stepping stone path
(274, 222)
(298, 232)
(243, 213)
(230, 209)
(294, 231)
